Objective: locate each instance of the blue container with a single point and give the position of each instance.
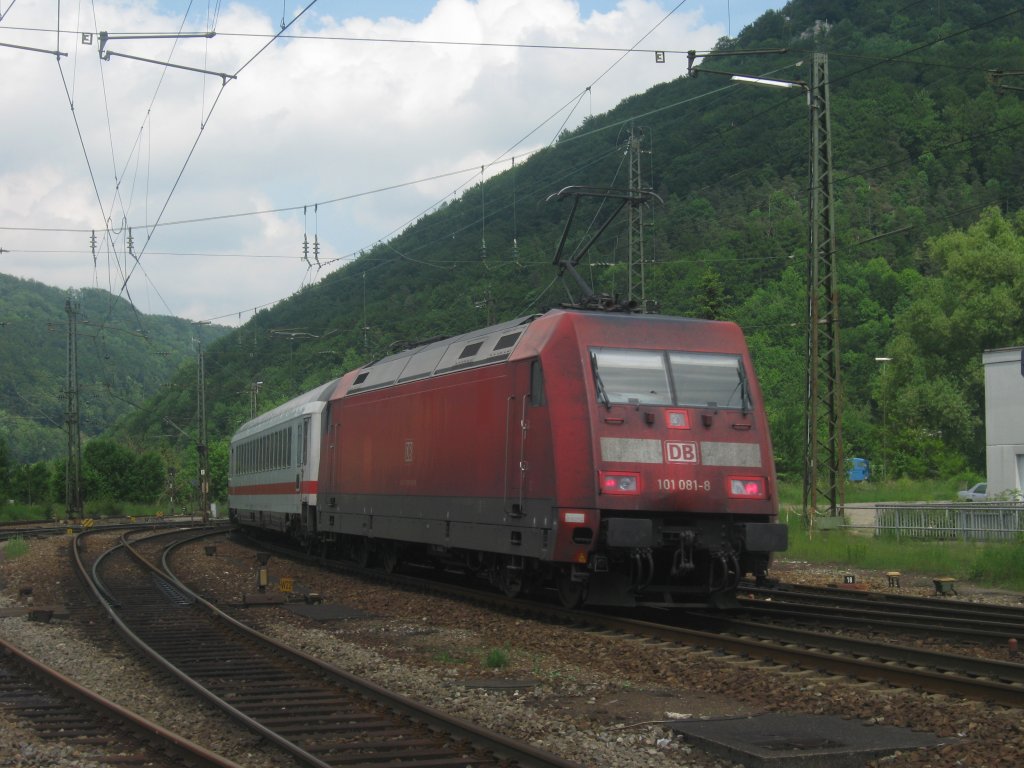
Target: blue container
(860, 469)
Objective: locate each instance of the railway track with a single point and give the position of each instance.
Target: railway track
(96, 729)
(874, 611)
(11, 529)
(880, 662)
(318, 714)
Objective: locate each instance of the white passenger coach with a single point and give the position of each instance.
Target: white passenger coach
(274, 463)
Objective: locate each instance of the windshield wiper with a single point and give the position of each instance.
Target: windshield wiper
(745, 402)
(601, 392)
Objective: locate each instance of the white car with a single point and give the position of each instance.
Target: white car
(974, 493)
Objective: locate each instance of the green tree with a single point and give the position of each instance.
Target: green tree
(115, 473)
(31, 483)
(934, 390)
(5, 471)
(218, 461)
(774, 326)
(711, 295)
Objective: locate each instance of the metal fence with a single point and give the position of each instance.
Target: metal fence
(974, 521)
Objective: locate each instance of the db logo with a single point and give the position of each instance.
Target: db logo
(681, 453)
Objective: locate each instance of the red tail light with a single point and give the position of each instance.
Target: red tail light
(621, 483)
(747, 488)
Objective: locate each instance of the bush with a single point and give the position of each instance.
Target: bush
(497, 658)
(105, 508)
(16, 547)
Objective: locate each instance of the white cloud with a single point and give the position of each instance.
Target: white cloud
(311, 118)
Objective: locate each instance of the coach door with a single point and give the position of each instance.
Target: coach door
(303, 473)
(528, 439)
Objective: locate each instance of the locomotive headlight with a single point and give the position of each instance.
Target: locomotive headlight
(675, 419)
(619, 482)
(747, 488)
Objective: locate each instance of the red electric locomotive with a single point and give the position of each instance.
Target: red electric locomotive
(623, 459)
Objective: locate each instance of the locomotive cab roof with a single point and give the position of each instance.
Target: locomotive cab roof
(483, 346)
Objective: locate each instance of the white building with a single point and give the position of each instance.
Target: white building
(1004, 418)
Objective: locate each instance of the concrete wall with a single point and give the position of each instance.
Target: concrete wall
(1004, 419)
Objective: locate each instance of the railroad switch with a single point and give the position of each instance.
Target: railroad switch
(894, 579)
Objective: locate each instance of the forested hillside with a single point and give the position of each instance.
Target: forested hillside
(929, 167)
(124, 358)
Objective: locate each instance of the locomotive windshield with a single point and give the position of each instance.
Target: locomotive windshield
(650, 377)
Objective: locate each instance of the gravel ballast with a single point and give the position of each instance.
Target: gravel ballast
(597, 699)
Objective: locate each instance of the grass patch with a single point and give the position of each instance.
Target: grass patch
(17, 512)
(1000, 564)
(15, 547)
(497, 658)
(994, 564)
(447, 657)
(902, 490)
(99, 509)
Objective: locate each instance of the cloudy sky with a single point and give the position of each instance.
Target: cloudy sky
(201, 179)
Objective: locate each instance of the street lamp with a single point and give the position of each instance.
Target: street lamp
(769, 81)
(885, 425)
(824, 395)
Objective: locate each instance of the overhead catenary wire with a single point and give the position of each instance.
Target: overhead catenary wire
(127, 272)
(297, 36)
(199, 135)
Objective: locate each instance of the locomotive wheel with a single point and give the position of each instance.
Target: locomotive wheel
(512, 581)
(389, 556)
(571, 593)
(361, 551)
